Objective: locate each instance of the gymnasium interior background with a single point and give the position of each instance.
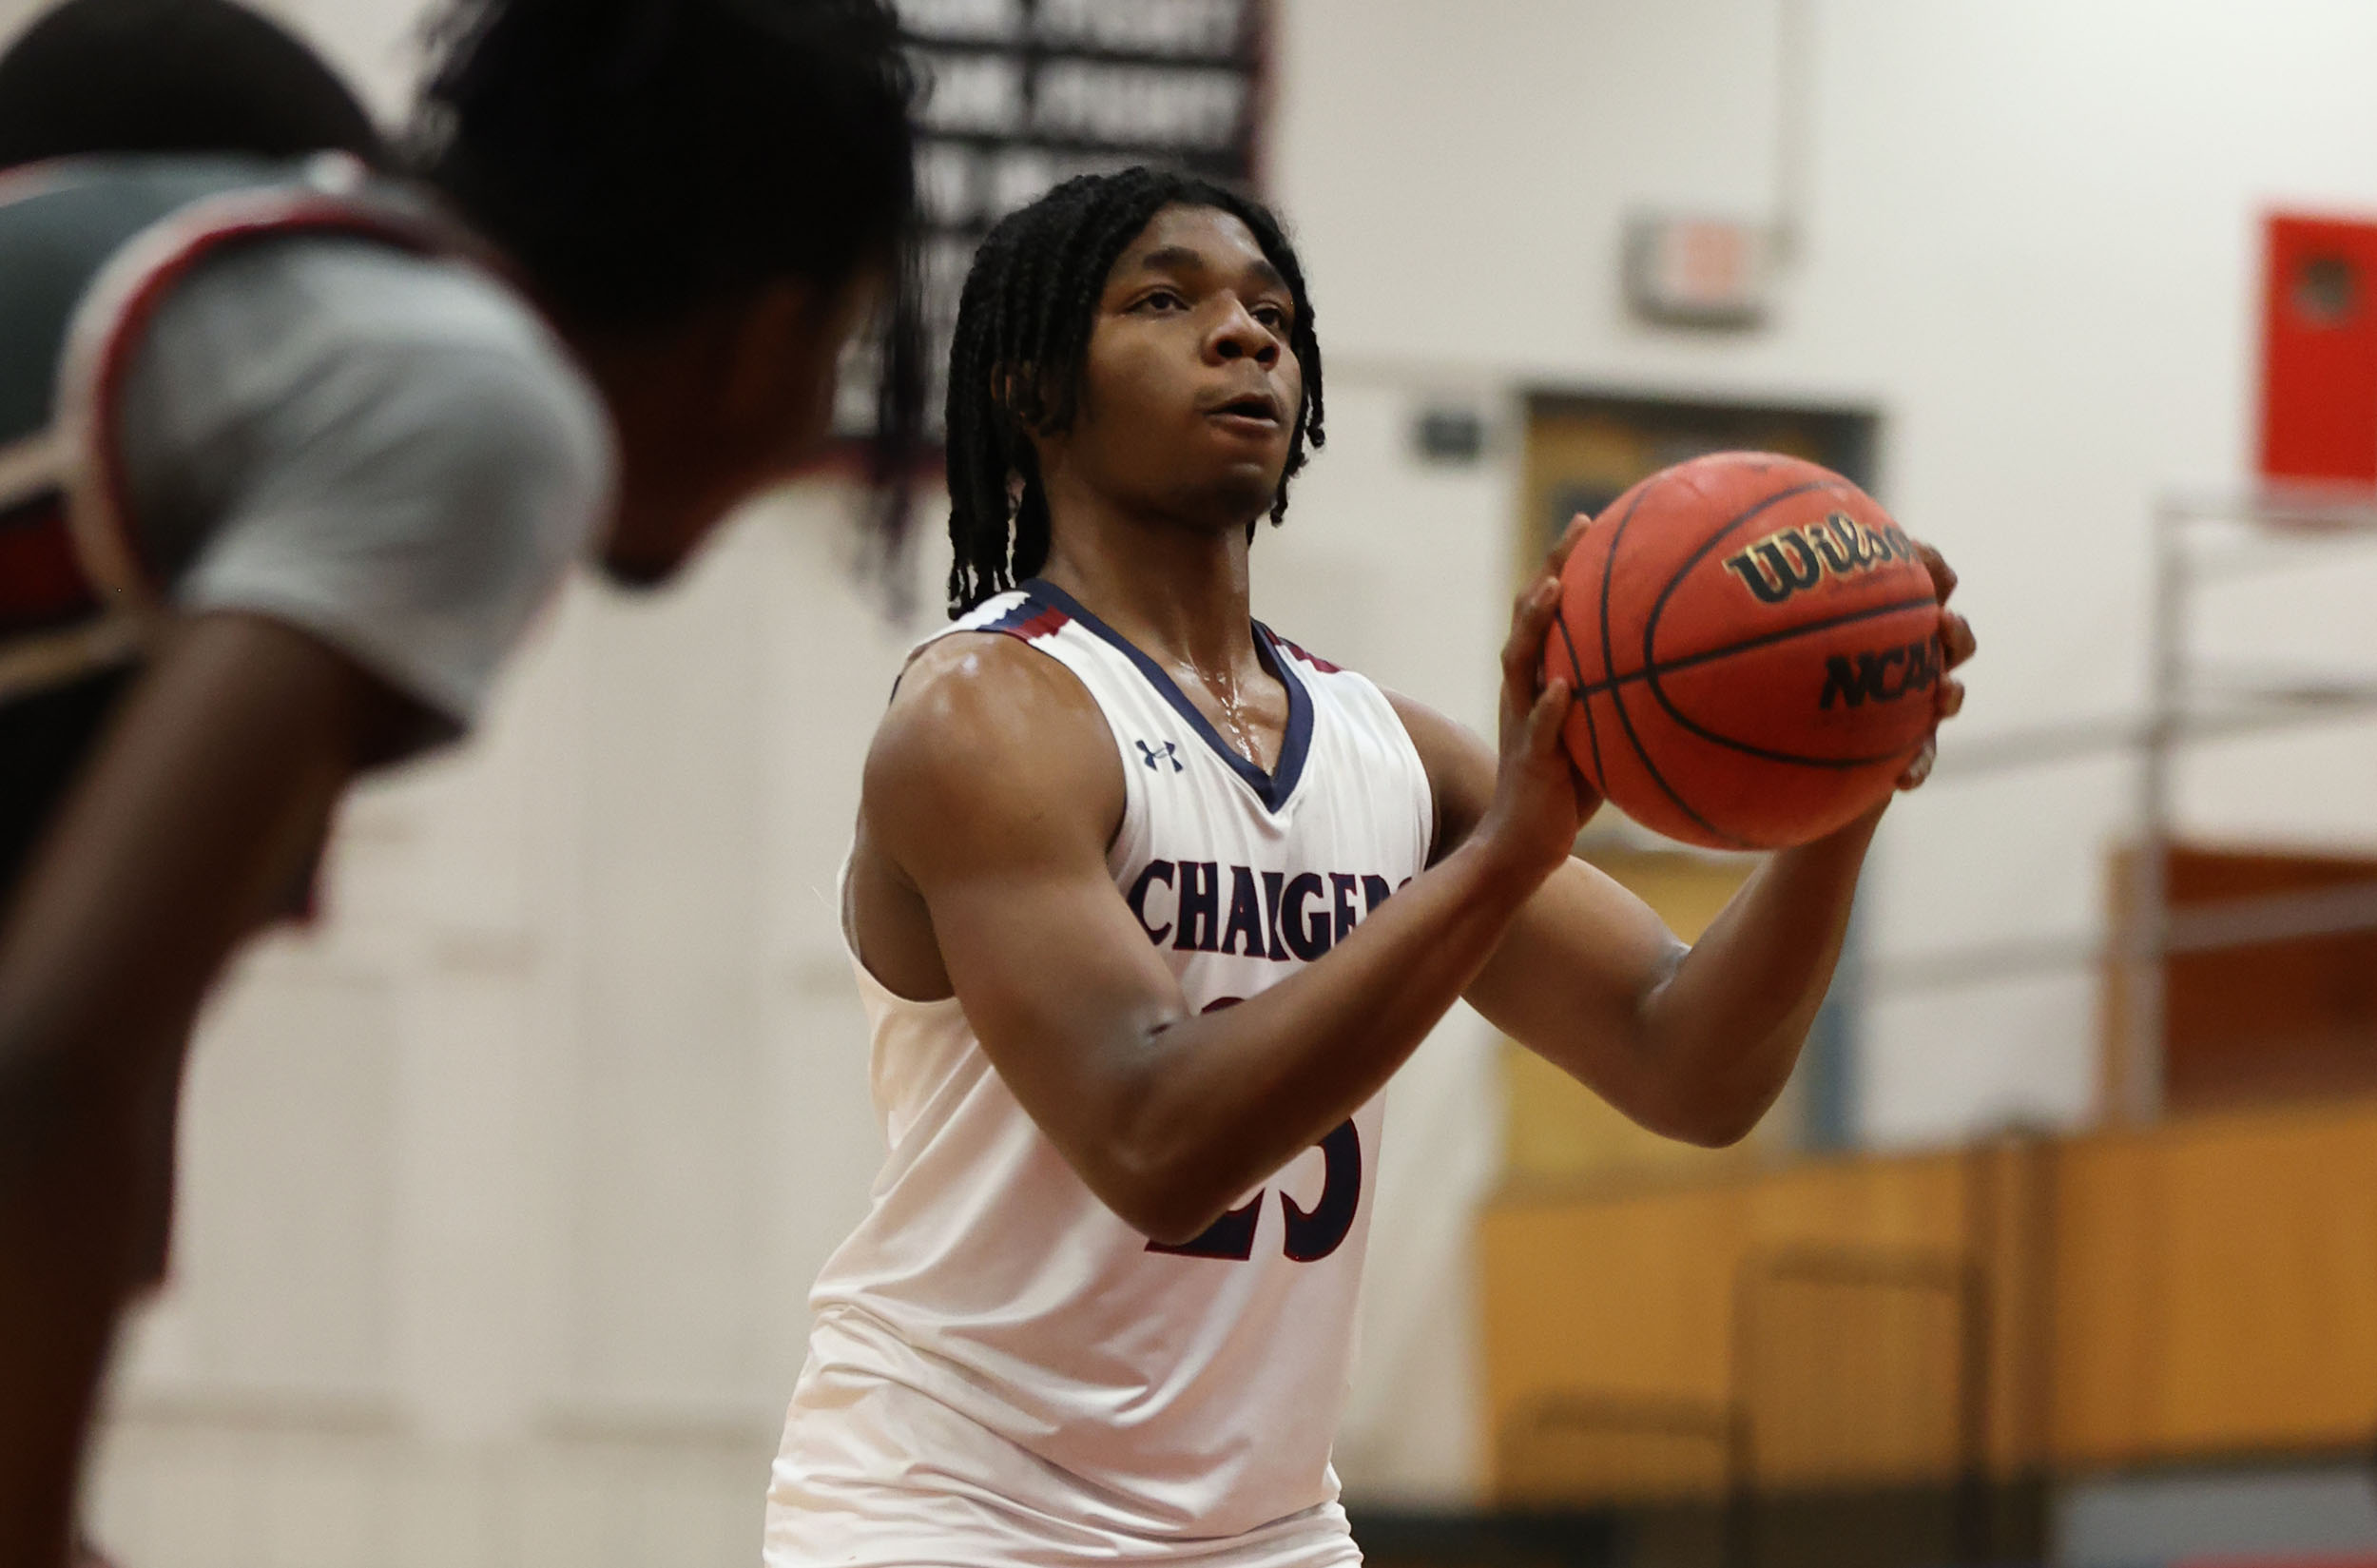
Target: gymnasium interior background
(502, 1188)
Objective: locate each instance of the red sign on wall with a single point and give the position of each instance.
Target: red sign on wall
(2354, 1561)
(2319, 351)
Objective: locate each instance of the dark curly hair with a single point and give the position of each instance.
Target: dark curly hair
(168, 76)
(638, 158)
(1029, 301)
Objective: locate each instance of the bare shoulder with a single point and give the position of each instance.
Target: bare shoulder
(983, 700)
(1459, 765)
(1436, 738)
(989, 743)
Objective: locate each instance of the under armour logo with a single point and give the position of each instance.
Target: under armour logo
(1169, 754)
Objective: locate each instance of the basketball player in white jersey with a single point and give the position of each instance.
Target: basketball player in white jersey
(1147, 905)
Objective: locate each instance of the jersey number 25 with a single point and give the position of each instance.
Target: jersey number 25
(1312, 1233)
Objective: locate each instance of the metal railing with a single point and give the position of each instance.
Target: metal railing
(2195, 539)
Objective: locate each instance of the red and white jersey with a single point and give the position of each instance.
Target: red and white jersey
(1002, 1371)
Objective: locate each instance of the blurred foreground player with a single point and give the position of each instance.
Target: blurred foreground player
(291, 456)
(1148, 903)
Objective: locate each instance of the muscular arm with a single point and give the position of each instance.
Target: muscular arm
(1693, 1043)
(990, 794)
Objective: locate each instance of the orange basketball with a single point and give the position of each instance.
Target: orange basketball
(1752, 643)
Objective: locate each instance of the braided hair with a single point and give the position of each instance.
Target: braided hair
(1023, 335)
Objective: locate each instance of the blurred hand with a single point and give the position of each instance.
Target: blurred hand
(1956, 646)
(1540, 800)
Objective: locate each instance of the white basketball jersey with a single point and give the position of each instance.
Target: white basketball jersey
(1002, 1371)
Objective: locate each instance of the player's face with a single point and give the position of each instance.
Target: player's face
(1191, 390)
(749, 405)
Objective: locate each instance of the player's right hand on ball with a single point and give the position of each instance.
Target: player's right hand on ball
(1540, 800)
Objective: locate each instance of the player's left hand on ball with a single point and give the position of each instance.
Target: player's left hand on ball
(1957, 644)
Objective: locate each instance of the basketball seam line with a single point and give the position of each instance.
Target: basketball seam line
(1837, 763)
(1761, 752)
(1576, 689)
(1691, 660)
(1747, 749)
(1617, 696)
(1675, 578)
(1652, 671)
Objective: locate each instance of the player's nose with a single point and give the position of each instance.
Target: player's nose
(1238, 335)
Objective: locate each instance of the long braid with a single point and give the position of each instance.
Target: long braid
(1024, 319)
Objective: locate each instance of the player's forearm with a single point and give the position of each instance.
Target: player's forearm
(1218, 1102)
(211, 789)
(1725, 1027)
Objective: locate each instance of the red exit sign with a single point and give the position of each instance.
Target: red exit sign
(2319, 351)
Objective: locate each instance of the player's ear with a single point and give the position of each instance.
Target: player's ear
(775, 339)
(1022, 394)
(783, 351)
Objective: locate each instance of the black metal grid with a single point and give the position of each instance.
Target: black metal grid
(1025, 93)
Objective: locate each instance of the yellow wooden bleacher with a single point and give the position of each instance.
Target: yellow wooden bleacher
(2204, 1291)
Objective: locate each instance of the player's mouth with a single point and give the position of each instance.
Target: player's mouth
(1252, 414)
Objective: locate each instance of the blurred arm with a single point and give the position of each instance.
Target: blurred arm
(200, 805)
(203, 803)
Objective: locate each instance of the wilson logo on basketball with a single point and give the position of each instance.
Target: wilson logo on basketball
(1794, 559)
(1884, 675)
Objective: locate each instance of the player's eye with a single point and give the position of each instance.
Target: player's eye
(1162, 300)
(1271, 316)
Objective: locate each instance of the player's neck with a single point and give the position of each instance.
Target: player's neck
(1178, 592)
